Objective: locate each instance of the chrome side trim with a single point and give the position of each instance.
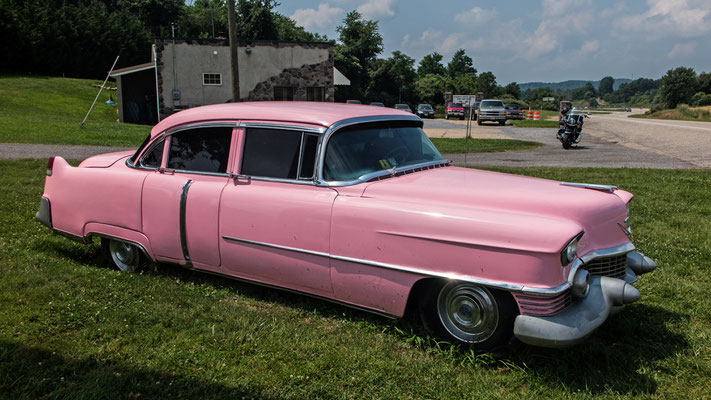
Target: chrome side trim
(604, 188)
(183, 233)
(267, 125)
(418, 271)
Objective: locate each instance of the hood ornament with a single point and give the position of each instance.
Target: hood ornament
(604, 188)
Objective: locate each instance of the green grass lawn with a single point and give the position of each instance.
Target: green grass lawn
(448, 146)
(72, 328)
(535, 124)
(681, 113)
(49, 111)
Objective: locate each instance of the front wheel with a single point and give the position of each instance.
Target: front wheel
(469, 313)
(124, 256)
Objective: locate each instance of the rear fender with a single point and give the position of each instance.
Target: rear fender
(121, 234)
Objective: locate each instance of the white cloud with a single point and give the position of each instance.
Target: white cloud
(377, 9)
(476, 16)
(682, 50)
(559, 8)
(685, 18)
(591, 46)
(322, 17)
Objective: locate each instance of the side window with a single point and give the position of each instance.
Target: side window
(200, 149)
(154, 156)
(273, 153)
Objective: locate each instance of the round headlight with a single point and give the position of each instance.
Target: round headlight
(568, 253)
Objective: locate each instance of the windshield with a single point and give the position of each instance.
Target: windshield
(492, 104)
(360, 150)
(457, 105)
(424, 107)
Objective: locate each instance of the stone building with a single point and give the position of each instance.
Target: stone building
(187, 73)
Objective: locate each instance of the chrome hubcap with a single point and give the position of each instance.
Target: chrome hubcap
(468, 312)
(125, 255)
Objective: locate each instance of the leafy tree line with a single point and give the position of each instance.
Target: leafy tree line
(81, 38)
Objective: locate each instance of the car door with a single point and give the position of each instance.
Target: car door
(180, 203)
(274, 222)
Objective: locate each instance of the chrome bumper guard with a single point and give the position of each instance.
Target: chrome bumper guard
(572, 325)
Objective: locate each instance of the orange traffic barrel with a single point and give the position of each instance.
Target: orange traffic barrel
(530, 115)
(536, 115)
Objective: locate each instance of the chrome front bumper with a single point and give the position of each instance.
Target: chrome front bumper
(605, 297)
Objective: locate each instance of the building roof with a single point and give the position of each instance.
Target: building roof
(287, 112)
(132, 69)
(339, 78)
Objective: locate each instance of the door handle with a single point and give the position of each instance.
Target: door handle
(240, 177)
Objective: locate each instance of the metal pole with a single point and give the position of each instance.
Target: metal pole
(155, 64)
(466, 139)
(234, 61)
(99, 94)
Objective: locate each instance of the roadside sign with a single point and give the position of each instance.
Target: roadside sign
(548, 99)
(465, 99)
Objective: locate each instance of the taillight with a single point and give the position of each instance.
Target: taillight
(50, 164)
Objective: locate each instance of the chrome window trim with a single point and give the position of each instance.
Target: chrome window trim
(147, 151)
(298, 181)
(204, 173)
(199, 125)
(268, 125)
(385, 172)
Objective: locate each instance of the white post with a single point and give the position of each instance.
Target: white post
(98, 94)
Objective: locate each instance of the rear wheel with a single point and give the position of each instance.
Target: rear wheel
(502, 123)
(446, 116)
(469, 313)
(478, 121)
(124, 256)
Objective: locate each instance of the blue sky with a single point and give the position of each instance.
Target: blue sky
(523, 41)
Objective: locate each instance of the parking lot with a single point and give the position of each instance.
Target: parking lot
(611, 141)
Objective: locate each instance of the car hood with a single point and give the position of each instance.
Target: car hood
(523, 205)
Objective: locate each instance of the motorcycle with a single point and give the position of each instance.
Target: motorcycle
(570, 128)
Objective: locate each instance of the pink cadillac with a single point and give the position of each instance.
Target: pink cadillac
(354, 204)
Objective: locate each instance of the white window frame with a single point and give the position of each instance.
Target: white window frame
(204, 74)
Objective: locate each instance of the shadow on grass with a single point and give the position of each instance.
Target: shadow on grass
(620, 357)
(31, 372)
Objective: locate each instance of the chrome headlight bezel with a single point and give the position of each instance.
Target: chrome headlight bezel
(569, 252)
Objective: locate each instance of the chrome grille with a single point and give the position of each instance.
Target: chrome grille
(614, 266)
(540, 305)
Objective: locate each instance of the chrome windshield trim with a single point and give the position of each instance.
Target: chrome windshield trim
(604, 188)
(288, 127)
(418, 271)
(385, 172)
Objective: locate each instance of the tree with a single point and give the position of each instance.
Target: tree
(705, 82)
(430, 88)
(586, 92)
(392, 79)
(513, 89)
(461, 64)
(606, 85)
(360, 43)
(486, 83)
(678, 85)
(431, 64)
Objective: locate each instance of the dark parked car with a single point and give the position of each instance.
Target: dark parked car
(353, 102)
(425, 111)
(513, 111)
(403, 107)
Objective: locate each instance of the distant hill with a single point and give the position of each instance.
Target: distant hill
(568, 85)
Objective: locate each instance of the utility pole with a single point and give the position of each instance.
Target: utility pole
(233, 50)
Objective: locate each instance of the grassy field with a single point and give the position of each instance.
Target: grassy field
(72, 328)
(49, 111)
(543, 123)
(682, 113)
(448, 146)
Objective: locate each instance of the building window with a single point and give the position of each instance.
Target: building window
(282, 93)
(212, 79)
(316, 94)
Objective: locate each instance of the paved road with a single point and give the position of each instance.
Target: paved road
(610, 141)
(27, 150)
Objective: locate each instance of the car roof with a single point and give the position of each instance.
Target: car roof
(281, 112)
